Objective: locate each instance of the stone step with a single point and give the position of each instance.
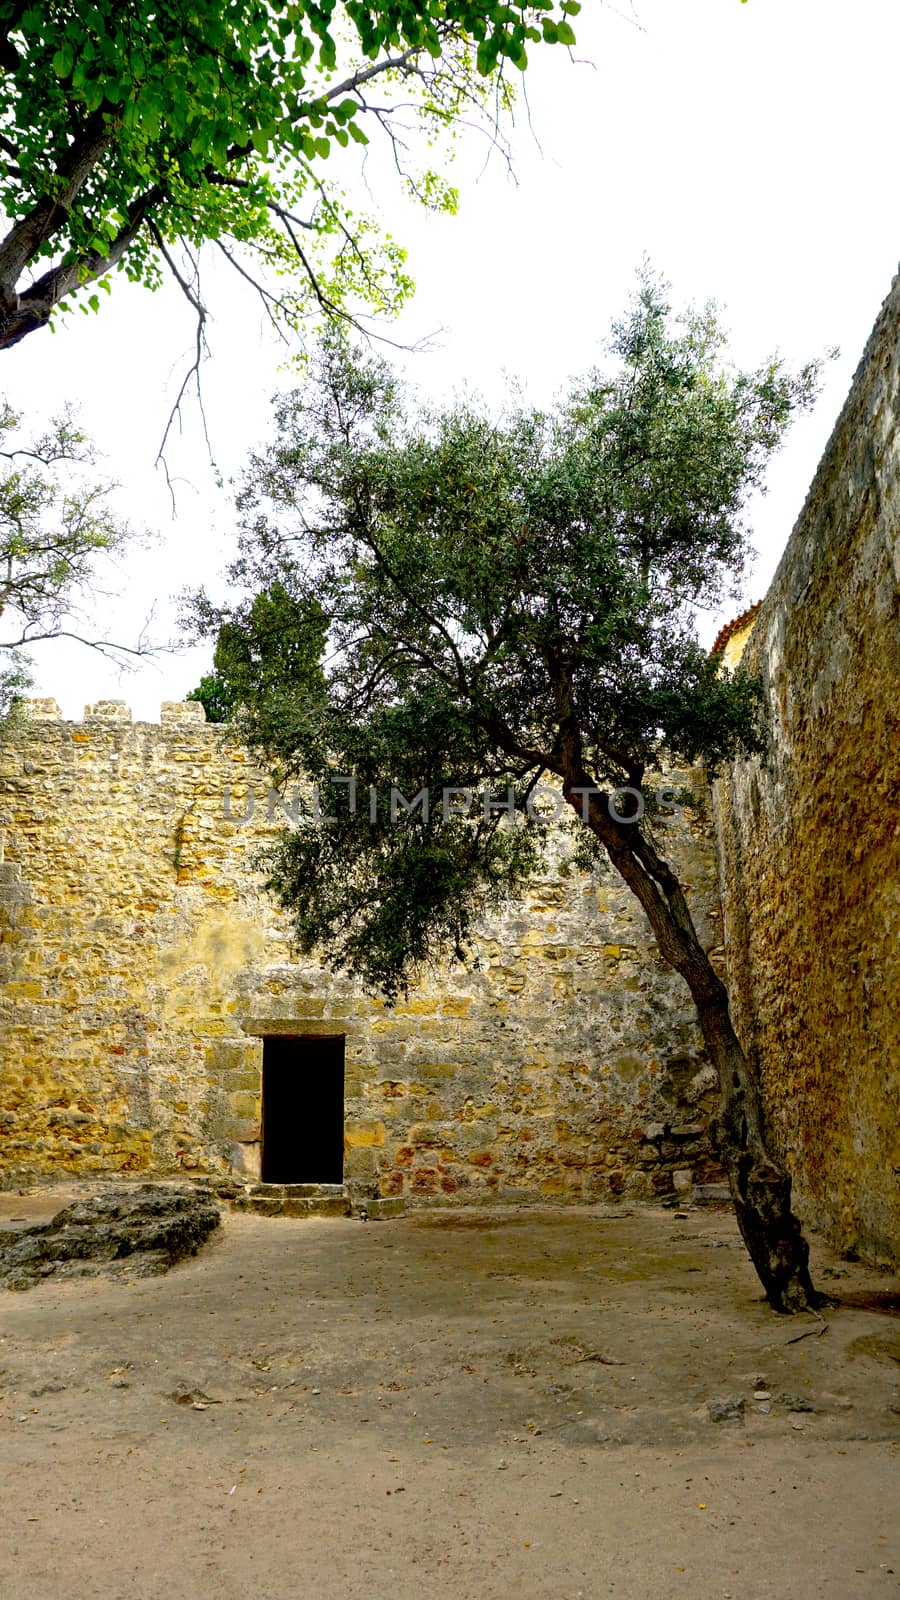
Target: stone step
(295, 1200)
(313, 1200)
(262, 1207)
(298, 1191)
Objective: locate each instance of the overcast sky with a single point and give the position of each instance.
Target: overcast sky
(748, 149)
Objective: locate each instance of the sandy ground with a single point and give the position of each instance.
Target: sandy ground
(347, 1411)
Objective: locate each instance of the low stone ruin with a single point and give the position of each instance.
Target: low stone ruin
(132, 1232)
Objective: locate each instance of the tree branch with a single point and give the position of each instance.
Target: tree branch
(104, 647)
(25, 238)
(378, 68)
(32, 309)
(193, 371)
(270, 302)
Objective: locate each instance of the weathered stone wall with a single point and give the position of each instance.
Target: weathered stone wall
(809, 837)
(141, 969)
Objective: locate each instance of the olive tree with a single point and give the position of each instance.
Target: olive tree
(510, 599)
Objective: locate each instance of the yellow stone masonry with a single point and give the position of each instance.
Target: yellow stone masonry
(142, 969)
(810, 836)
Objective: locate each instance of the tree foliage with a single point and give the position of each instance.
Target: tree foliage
(131, 131)
(15, 682)
(273, 651)
(215, 696)
(56, 525)
(507, 600)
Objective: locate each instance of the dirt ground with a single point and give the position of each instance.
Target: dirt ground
(486, 1406)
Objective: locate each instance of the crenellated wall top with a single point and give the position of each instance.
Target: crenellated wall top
(46, 709)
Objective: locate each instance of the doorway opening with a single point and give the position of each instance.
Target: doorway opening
(303, 1108)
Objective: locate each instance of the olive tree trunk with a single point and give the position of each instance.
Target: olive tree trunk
(760, 1187)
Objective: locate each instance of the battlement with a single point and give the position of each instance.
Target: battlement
(46, 709)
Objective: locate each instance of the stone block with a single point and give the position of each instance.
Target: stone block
(263, 1207)
(182, 711)
(361, 1135)
(385, 1206)
(335, 1206)
(43, 709)
(244, 1105)
(108, 711)
(236, 1130)
(361, 1165)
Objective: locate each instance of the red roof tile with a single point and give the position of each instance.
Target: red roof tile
(737, 626)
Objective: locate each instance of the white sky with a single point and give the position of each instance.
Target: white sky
(748, 149)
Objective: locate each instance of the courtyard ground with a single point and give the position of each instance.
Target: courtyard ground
(486, 1406)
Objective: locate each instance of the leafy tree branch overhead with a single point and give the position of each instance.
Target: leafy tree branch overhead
(134, 131)
(507, 599)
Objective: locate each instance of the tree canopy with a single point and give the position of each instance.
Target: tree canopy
(506, 599)
(132, 131)
(510, 600)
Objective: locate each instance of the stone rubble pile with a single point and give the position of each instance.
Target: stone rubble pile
(136, 1231)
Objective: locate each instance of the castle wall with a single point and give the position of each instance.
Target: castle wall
(141, 968)
(809, 837)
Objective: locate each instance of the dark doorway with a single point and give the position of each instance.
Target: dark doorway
(303, 1109)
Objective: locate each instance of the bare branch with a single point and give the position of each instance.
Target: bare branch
(104, 647)
(201, 348)
(270, 302)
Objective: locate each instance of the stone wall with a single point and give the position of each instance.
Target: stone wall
(141, 970)
(809, 837)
